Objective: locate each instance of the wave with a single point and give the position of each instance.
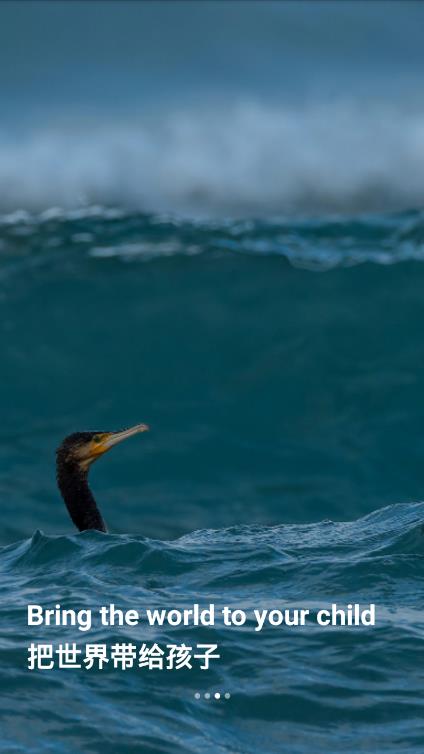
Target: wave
(333, 678)
(248, 159)
(110, 232)
(394, 530)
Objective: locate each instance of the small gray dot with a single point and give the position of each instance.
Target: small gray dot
(227, 695)
(197, 695)
(207, 695)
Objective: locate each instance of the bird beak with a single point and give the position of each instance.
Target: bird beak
(116, 437)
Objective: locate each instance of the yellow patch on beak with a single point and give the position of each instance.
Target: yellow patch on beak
(98, 445)
(103, 441)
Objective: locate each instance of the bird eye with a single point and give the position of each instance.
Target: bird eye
(97, 438)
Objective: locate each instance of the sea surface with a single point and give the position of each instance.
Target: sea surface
(280, 364)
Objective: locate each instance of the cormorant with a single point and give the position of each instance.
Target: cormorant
(73, 460)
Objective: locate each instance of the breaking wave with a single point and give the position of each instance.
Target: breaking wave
(248, 159)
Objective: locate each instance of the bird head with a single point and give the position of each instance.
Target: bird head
(83, 448)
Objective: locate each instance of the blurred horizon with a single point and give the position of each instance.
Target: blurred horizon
(211, 109)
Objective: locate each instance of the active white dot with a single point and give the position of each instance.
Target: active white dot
(217, 695)
(197, 695)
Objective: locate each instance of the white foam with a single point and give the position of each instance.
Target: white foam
(249, 159)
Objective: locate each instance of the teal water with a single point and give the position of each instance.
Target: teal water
(280, 365)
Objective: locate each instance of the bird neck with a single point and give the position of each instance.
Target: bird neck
(72, 481)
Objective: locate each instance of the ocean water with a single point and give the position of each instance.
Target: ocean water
(280, 363)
